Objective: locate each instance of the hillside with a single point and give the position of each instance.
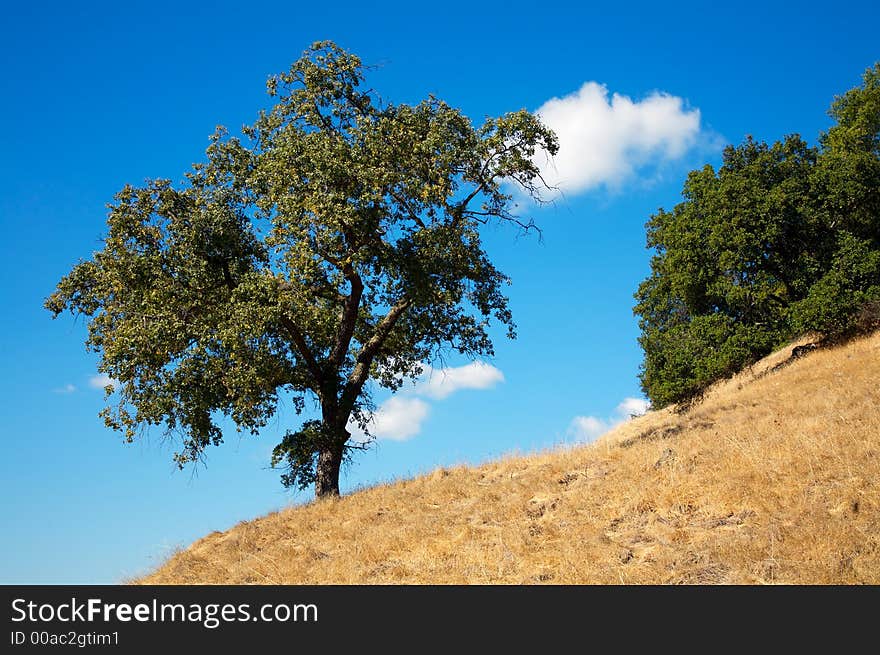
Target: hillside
(773, 478)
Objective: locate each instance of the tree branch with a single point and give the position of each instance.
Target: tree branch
(418, 221)
(461, 207)
(303, 348)
(349, 316)
(483, 219)
(365, 357)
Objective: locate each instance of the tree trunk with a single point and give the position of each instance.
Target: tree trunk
(327, 472)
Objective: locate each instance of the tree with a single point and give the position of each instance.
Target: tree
(729, 259)
(336, 242)
(847, 179)
(781, 240)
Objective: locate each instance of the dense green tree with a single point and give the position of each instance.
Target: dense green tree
(728, 258)
(782, 239)
(336, 242)
(847, 182)
(848, 169)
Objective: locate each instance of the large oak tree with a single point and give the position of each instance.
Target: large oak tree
(337, 241)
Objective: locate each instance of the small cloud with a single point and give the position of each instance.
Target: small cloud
(606, 139)
(401, 417)
(589, 428)
(440, 383)
(633, 407)
(67, 388)
(103, 380)
(398, 419)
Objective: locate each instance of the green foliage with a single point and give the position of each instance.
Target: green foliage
(336, 241)
(833, 304)
(782, 239)
(298, 452)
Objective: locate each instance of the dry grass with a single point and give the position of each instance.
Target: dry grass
(773, 478)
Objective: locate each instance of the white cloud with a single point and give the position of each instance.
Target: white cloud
(589, 428)
(440, 383)
(401, 417)
(67, 388)
(101, 381)
(398, 419)
(633, 407)
(605, 140)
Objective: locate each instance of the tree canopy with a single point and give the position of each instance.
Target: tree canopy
(781, 240)
(336, 241)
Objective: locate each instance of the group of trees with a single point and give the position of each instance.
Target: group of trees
(781, 240)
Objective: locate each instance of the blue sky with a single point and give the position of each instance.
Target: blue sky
(101, 95)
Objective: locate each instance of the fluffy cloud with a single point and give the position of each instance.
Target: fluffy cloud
(67, 388)
(606, 139)
(398, 419)
(633, 407)
(440, 383)
(101, 381)
(588, 428)
(401, 417)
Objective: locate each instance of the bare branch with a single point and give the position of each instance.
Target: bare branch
(483, 219)
(461, 207)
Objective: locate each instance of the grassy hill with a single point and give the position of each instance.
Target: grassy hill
(773, 478)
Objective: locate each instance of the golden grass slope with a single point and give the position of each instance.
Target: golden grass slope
(773, 478)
